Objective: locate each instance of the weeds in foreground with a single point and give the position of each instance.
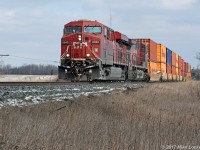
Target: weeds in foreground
(149, 118)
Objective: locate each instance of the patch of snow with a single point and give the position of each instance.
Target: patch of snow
(28, 78)
(98, 88)
(29, 95)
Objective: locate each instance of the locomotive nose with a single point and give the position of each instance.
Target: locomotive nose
(79, 48)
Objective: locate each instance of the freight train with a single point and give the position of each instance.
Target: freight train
(93, 51)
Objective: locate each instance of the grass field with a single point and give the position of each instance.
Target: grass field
(157, 116)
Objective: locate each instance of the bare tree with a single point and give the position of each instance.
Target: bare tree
(31, 69)
(196, 72)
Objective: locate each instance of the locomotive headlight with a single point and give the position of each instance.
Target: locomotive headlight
(96, 49)
(90, 71)
(87, 55)
(79, 37)
(67, 55)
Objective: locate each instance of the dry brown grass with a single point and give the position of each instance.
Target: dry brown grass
(144, 119)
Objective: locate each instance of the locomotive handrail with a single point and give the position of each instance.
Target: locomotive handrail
(64, 54)
(92, 51)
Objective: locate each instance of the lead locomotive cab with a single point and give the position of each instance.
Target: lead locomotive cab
(93, 51)
(80, 49)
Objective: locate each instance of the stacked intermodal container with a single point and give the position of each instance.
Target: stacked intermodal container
(169, 64)
(152, 58)
(151, 47)
(179, 68)
(183, 69)
(173, 66)
(177, 63)
(140, 57)
(189, 71)
(161, 61)
(189, 68)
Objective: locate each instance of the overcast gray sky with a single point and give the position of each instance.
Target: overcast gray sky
(32, 29)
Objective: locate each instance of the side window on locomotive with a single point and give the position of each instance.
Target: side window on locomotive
(92, 29)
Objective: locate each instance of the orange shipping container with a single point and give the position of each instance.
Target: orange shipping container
(189, 68)
(182, 64)
(177, 71)
(153, 72)
(152, 67)
(177, 60)
(173, 59)
(151, 47)
(162, 67)
(183, 68)
(173, 70)
(161, 53)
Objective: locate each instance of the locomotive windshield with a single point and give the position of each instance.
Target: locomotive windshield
(73, 29)
(92, 29)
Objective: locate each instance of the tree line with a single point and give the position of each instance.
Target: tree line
(196, 72)
(31, 69)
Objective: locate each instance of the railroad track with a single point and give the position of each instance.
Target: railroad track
(28, 93)
(39, 83)
(66, 83)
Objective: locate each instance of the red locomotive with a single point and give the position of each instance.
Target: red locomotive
(92, 51)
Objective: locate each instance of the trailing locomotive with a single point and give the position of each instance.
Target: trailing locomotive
(92, 51)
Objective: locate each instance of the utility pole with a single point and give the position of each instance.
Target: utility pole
(110, 18)
(1, 61)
